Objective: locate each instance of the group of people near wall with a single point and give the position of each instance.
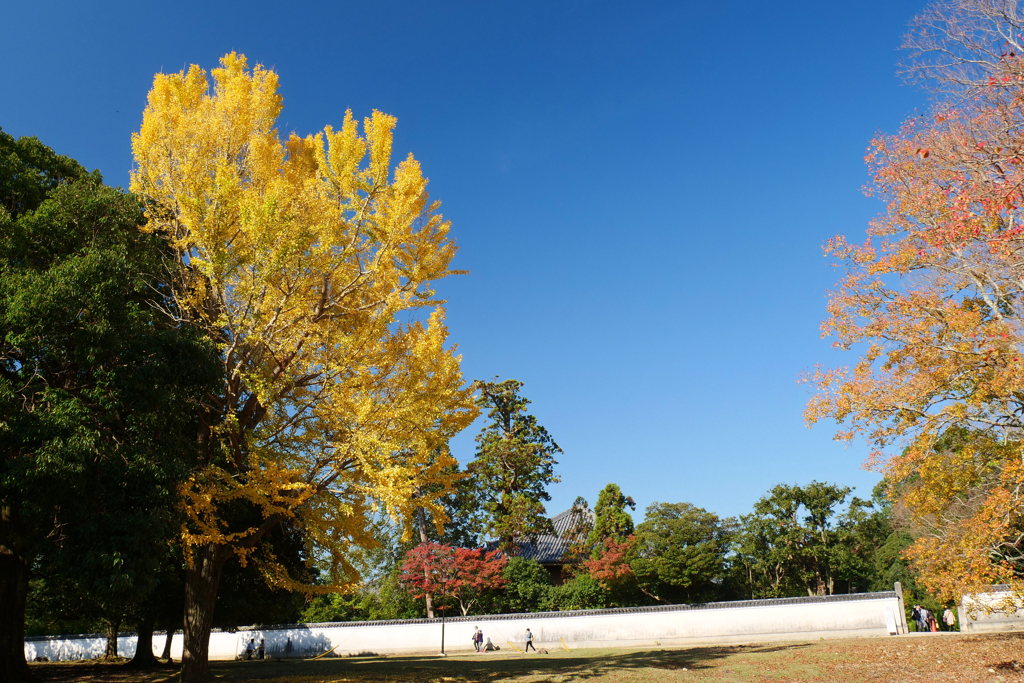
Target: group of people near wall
(926, 621)
(253, 650)
(480, 646)
(478, 641)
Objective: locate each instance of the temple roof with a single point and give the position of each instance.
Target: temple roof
(551, 548)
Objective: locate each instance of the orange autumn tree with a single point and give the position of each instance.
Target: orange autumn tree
(309, 261)
(609, 562)
(932, 302)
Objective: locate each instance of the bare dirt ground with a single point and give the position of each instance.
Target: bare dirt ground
(926, 657)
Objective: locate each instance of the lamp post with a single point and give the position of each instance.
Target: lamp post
(441, 607)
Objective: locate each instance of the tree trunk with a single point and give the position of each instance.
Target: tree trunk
(652, 596)
(421, 523)
(113, 626)
(201, 581)
(13, 590)
(144, 658)
(172, 625)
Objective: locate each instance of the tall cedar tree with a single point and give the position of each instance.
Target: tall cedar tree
(514, 464)
(309, 263)
(98, 392)
(611, 520)
(933, 304)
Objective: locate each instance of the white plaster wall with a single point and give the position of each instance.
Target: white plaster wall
(70, 648)
(746, 622)
(998, 610)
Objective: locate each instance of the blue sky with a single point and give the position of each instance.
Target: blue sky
(640, 191)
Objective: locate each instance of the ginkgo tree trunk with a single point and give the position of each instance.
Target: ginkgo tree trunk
(310, 262)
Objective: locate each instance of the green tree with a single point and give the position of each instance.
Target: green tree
(790, 543)
(862, 530)
(456, 519)
(680, 553)
(380, 598)
(29, 171)
(527, 588)
(96, 412)
(891, 536)
(580, 592)
(611, 520)
(514, 464)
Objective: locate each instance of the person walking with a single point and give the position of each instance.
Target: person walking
(949, 619)
(529, 641)
(478, 638)
(926, 619)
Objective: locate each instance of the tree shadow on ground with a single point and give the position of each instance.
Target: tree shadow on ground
(106, 672)
(567, 666)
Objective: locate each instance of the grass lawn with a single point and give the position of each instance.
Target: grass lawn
(928, 657)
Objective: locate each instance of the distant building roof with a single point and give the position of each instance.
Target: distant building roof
(551, 548)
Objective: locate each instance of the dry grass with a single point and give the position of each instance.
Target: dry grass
(930, 657)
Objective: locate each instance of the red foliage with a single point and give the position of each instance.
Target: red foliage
(611, 565)
(445, 571)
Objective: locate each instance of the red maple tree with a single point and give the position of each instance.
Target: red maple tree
(610, 565)
(446, 571)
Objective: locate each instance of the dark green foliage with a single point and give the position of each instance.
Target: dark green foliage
(513, 467)
(579, 592)
(382, 598)
(111, 387)
(800, 541)
(528, 588)
(680, 553)
(889, 566)
(244, 596)
(29, 170)
(98, 389)
(52, 609)
(611, 521)
(466, 522)
(859, 533)
(333, 607)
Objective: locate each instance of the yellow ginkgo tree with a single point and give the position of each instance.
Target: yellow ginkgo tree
(310, 262)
